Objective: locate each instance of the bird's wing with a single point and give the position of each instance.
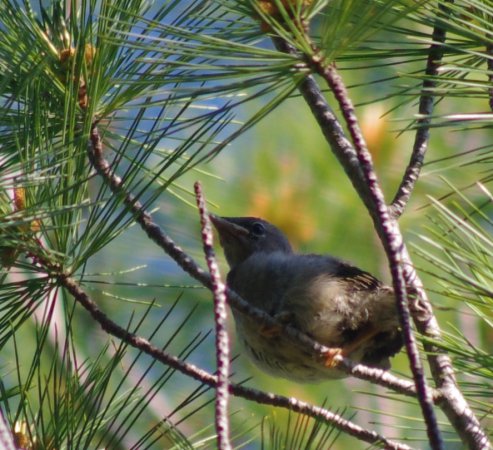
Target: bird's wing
(356, 279)
(328, 298)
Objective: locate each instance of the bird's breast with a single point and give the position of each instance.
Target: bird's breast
(279, 356)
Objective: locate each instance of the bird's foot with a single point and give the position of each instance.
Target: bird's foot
(330, 357)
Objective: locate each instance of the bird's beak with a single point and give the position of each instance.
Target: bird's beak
(226, 228)
(234, 239)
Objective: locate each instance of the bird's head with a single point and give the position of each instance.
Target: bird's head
(240, 237)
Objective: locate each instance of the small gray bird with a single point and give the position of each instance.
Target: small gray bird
(333, 302)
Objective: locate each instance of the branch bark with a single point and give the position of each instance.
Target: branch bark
(220, 319)
(425, 109)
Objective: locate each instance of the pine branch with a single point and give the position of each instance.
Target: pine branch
(425, 109)
(220, 319)
(392, 241)
(205, 377)
(454, 404)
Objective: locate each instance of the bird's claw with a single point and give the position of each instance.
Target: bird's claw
(330, 357)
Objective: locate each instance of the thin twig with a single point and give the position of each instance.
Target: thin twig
(205, 377)
(425, 109)
(386, 379)
(157, 235)
(220, 319)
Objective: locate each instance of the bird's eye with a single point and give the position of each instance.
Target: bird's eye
(258, 229)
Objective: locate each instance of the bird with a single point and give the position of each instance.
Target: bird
(333, 302)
